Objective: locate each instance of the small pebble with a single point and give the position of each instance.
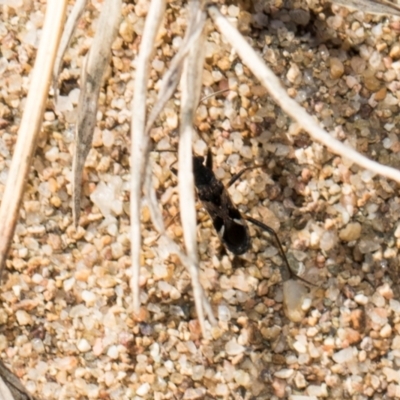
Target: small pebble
(113, 352)
(23, 318)
(293, 297)
(83, 346)
(361, 299)
(299, 347)
(294, 74)
(233, 348)
(143, 390)
(343, 356)
(350, 232)
(336, 68)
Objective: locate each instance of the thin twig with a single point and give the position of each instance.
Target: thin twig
(69, 29)
(377, 7)
(96, 64)
(171, 246)
(11, 387)
(5, 392)
(195, 27)
(191, 84)
(256, 64)
(171, 78)
(214, 94)
(153, 22)
(30, 124)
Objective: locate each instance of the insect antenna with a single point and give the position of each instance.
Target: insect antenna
(241, 172)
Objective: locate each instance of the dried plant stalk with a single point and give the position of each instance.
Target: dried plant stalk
(172, 76)
(291, 107)
(69, 29)
(10, 386)
(139, 144)
(91, 80)
(377, 7)
(139, 152)
(190, 85)
(172, 247)
(30, 124)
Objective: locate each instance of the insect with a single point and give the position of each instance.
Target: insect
(229, 223)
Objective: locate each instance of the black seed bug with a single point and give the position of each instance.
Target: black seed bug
(227, 220)
(229, 223)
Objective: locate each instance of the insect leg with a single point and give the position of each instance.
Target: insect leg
(209, 161)
(240, 173)
(174, 170)
(273, 233)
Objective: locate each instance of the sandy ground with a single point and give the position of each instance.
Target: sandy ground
(66, 325)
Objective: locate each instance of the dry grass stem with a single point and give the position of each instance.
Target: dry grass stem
(218, 92)
(138, 147)
(30, 124)
(173, 248)
(96, 64)
(378, 7)
(69, 29)
(172, 76)
(5, 393)
(10, 386)
(190, 85)
(290, 106)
